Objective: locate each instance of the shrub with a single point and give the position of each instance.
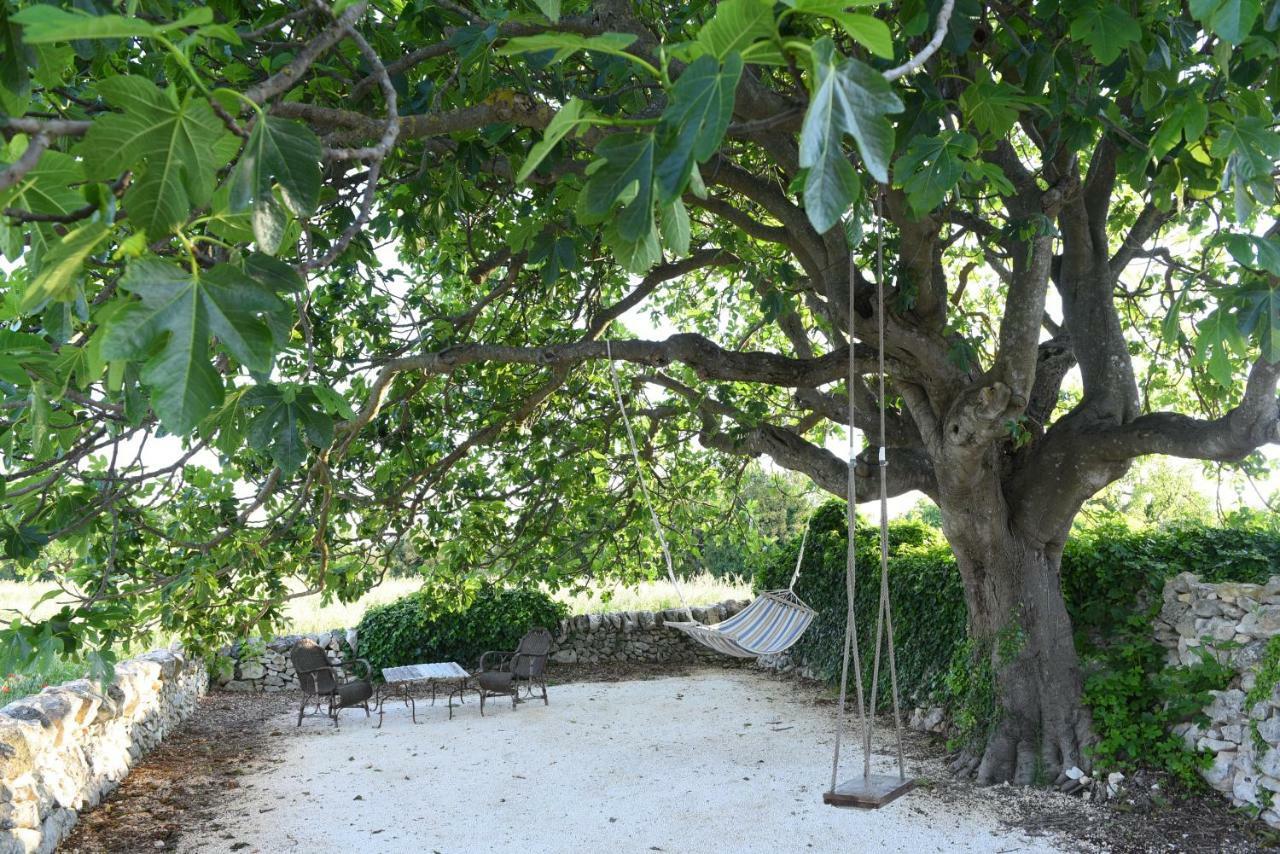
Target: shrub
(1112, 577)
(924, 587)
(439, 624)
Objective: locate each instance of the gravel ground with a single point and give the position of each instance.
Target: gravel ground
(634, 759)
(717, 760)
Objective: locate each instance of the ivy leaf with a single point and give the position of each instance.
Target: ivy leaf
(624, 172)
(162, 137)
(169, 332)
(1230, 20)
(62, 266)
(931, 167)
(277, 151)
(851, 98)
(735, 26)
(697, 117)
(1107, 30)
(291, 419)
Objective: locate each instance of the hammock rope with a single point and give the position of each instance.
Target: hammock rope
(770, 624)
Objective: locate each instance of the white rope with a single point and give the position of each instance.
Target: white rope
(884, 615)
(800, 557)
(644, 489)
(851, 566)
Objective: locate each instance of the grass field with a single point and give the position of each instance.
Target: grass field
(309, 614)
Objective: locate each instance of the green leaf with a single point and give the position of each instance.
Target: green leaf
(992, 107)
(291, 419)
(169, 332)
(568, 119)
(62, 266)
(696, 119)
(16, 59)
(1218, 336)
(1107, 30)
(850, 98)
(170, 142)
(42, 24)
(1261, 320)
(550, 8)
(868, 31)
(283, 152)
(1230, 20)
(932, 166)
(736, 25)
(566, 45)
(624, 173)
(673, 222)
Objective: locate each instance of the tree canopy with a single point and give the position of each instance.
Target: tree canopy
(371, 257)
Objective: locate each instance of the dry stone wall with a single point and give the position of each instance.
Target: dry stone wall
(1234, 622)
(621, 636)
(637, 636)
(63, 749)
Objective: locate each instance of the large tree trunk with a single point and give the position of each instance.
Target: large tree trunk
(1018, 622)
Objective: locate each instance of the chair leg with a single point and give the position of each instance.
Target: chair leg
(543, 683)
(482, 695)
(302, 710)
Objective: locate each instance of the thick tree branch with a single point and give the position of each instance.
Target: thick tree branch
(1254, 422)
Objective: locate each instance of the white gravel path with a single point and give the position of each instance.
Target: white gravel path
(718, 761)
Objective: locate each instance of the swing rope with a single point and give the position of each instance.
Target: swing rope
(644, 488)
(884, 614)
(770, 624)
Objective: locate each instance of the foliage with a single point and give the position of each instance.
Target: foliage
(1136, 699)
(1268, 674)
(17, 685)
(970, 695)
(446, 624)
(1111, 571)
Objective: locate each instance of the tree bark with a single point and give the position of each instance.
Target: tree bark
(1018, 622)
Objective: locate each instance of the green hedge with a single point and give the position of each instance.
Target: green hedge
(924, 586)
(435, 624)
(1111, 574)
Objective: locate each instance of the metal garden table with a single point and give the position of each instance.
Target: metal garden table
(399, 682)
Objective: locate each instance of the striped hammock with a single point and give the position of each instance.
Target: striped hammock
(770, 624)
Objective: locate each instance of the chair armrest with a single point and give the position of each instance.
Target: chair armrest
(502, 660)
